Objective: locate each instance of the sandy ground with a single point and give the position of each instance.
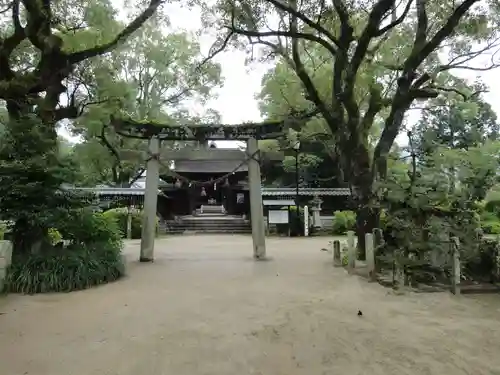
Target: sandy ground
(204, 307)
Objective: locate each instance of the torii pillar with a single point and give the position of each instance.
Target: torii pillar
(256, 209)
(149, 217)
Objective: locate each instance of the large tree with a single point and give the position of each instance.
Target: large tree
(381, 57)
(456, 124)
(155, 76)
(43, 46)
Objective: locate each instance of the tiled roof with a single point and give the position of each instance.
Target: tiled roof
(275, 192)
(306, 191)
(114, 191)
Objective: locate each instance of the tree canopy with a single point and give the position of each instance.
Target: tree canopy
(365, 63)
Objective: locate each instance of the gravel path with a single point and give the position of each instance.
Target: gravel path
(205, 307)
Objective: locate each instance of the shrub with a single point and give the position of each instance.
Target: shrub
(492, 206)
(3, 229)
(92, 258)
(343, 221)
(54, 236)
(491, 227)
(481, 264)
(490, 223)
(120, 215)
(384, 218)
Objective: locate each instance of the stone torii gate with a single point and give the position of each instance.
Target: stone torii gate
(155, 133)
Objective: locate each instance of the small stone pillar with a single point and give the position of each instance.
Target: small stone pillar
(497, 259)
(455, 265)
(378, 242)
(129, 222)
(5, 260)
(306, 221)
(316, 212)
(370, 256)
(351, 251)
(337, 256)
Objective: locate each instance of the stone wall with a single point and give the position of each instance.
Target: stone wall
(327, 221)
(5, 259)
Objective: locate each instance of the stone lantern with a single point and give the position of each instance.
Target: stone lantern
(316, 212)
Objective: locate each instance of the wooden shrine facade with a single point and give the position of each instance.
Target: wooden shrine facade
(175, 200)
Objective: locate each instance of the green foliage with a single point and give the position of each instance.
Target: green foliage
(120, 215)
(3, 229)
(490, 221)
(153, 88)
(435, 201)
(54, 236)
(456, 124)
(492, 206)
(88, 227)
(92, 258)
(32, 174)
(77, 269)
(481, 264)
(491, 227)
(344, 221)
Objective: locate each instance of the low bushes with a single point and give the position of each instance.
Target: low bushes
(93, 257)
(480, 264)
(343, 221)
(120, 215)
(490, 217)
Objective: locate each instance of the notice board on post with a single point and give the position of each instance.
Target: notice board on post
(278, 217)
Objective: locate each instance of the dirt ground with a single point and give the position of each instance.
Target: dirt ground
(206, 308)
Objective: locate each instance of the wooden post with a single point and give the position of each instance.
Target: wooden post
(337, 257)
(370, 256)
(351, 251)
(455, 265)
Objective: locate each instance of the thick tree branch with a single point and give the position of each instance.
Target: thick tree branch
(11, 42)
(301, 71)
(38, 19)
(79, 56)
(301, 16)
(370, 31)
(419, 56)
(404, 94)
(396, 21)
(289, 34)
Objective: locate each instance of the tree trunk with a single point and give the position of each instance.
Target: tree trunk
(363, 195)
(367, 219)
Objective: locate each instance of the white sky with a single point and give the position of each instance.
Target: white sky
(236, 99)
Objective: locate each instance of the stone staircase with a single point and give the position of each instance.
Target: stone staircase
(209, 219)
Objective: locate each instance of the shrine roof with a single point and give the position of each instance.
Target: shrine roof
(209, 166)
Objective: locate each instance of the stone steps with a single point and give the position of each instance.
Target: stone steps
(209, 223)
(211, 209)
